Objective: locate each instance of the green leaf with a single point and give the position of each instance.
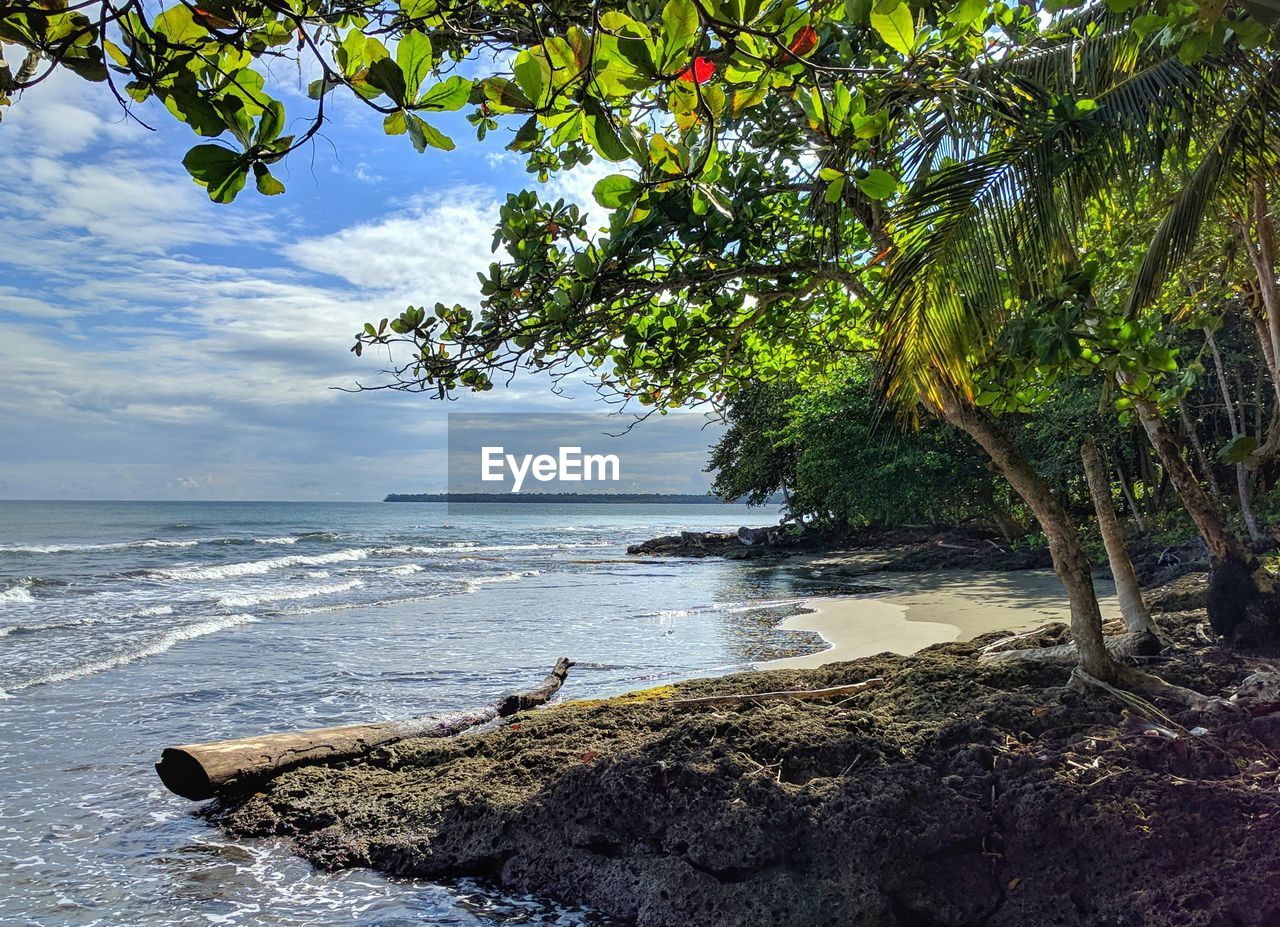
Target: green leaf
(967, 11)
(422, 134)
(878, 184)
(267, 184)
(220, 169)
(1195, 47)
(722, 206)
(835, 190)
(893, 23)
(395, 123)
(1148, 23)
(531, 72)
(615, 191)
(386, 75)
(413, 54)
(601, 134)
(447, 96)
(179, 27)
(680, 26)
(1238, 449)
(271, 123)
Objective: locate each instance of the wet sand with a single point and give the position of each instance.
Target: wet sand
(928, 608)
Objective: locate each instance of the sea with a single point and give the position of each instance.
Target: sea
(126, 627)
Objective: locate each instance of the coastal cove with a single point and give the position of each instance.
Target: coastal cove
(118, 619)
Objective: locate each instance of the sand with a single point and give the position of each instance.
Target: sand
(928, 608)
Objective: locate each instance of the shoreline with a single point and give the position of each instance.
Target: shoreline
(926, 609)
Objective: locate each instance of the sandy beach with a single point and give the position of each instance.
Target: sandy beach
(927, 608)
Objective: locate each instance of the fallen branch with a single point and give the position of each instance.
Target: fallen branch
(200, 771)
(799, 695)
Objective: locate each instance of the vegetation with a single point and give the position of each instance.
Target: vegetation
(1000, 208)
(838, 460)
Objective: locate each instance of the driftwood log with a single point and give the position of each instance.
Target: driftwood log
(200, 771)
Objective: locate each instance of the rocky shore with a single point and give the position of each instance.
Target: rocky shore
(912, 550)
(957, 795)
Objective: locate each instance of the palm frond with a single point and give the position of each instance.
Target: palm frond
(1249, 144)
(971, 231)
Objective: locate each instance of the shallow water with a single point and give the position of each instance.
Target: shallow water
(126, 627)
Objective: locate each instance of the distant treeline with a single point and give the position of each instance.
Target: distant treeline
(578, 498)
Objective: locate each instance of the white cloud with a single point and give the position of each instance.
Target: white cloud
(153, 344)
(428, 253)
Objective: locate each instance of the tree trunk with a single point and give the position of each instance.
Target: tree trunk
(200, 771)
(1237, 429)
(1133, 609)
(1069, 559)
(1242, 607)
(1138, 520)
(1263, 252)
(1197, 448)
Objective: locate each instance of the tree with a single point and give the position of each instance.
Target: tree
(841, 462)
(1012, 207)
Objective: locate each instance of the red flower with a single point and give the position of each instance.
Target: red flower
(699, 72)
(803, 41)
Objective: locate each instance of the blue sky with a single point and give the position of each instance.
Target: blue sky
(157, 346)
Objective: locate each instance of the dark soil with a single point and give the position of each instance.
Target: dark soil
(959, 794)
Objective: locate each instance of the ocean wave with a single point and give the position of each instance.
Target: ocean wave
(154, 648)
(513, 576)
(405, 569)
(16, 595)
(285, 595)
(284, 539)
(468, 547)
(255, 567)
(154, 611)
(81, 548)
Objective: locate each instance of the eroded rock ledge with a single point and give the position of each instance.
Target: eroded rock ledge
(958, 795)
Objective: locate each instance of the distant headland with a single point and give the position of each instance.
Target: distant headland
(575, 498)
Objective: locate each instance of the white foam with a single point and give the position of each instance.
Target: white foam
(17, 595)
(474, 584)
(256, 567)
(286, 595)
(72, 548)
(155, 611)
(404, 570)
(156, 647)
(279, 540)
(459, 547)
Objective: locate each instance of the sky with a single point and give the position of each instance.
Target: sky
(154, 345)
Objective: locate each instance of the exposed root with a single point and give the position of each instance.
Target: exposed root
(1130, 645)
(1136, 681)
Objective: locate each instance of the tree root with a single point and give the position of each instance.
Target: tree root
(1136, 681)
(1129, 645)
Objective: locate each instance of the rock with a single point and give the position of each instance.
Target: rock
(753, 536)
(959, 795)
(704, 544)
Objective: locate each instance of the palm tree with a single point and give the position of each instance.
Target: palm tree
(1001, 192)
